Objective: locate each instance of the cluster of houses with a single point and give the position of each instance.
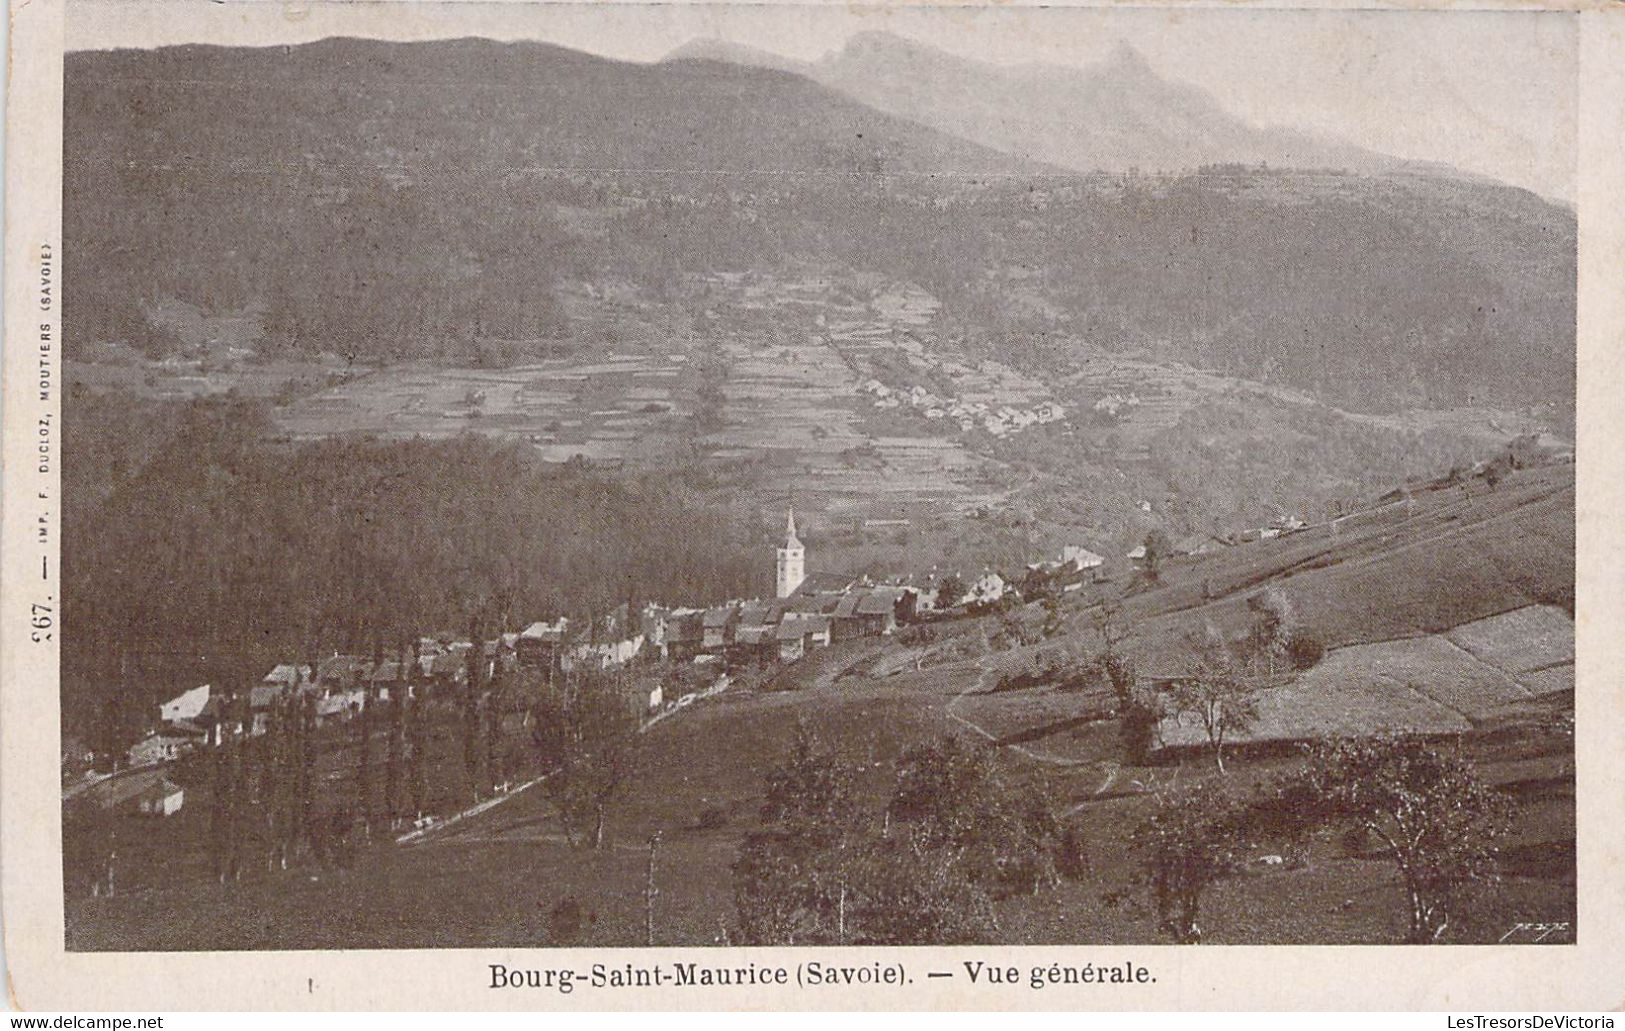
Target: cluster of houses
(1203, 544)
(808, 612)
(823, 610)
(1116, 406)
(338, 687)
(998, 421)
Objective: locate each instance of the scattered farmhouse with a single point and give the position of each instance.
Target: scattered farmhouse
(988, 589)
(185, 706)
(1080, 558)
(1197, 544)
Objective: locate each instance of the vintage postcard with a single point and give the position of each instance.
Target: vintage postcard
(650, 505)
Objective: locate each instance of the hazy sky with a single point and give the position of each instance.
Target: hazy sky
(1492, 92)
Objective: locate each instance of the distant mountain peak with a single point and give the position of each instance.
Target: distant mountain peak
(709, 48)
(1116, 113)
(879, 41)
(1125, 59)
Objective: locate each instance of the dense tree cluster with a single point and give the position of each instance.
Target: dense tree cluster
(225, 553)
(954, 837)
(584, 727)
(1430, 813)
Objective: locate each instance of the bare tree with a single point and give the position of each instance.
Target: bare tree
(649, 892)
(1157, 549)
(586, 734)
(496, 702)
(1219, 690)
(417, 739)
(1437, 820)
(397, 738)
(475, 666)
(1190, 841)
(364, 718)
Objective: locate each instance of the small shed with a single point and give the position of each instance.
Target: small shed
(162, 798)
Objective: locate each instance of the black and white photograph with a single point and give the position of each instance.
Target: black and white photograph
(578, 476)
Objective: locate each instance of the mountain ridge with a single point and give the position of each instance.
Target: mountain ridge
(1114, 115)
(439, 199)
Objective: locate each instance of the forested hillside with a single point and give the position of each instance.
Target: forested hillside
(225, 553)
(439, 199)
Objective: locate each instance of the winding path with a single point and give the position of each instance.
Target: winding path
(1109, 769)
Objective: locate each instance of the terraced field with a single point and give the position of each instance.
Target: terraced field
(1436, 684)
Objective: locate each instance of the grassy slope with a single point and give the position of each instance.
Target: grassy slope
(1462, 553)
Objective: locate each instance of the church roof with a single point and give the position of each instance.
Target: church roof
(823, 583)
(790, 539)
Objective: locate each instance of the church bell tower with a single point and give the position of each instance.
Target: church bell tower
(792, 560)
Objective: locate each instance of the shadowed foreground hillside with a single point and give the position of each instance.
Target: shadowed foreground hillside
(504, 877)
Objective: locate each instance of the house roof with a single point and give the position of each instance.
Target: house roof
(849, 605)
(792, 629)
(335, 703)
(812, 624)
(159, 790)
(189, 693)
(387, 672)
(285, 672)
(263, 697)
(754, 634)
(342, 666)
(820, 602)
(684, 626)
(446, 665)
(119, 789)
(164, 738)
(720, 616)
(880, 601)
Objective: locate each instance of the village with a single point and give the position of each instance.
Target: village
(1082, 669)
(809, 612)
(998, 421)
(696, 502)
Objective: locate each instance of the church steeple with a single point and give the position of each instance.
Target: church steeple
(792, 559)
